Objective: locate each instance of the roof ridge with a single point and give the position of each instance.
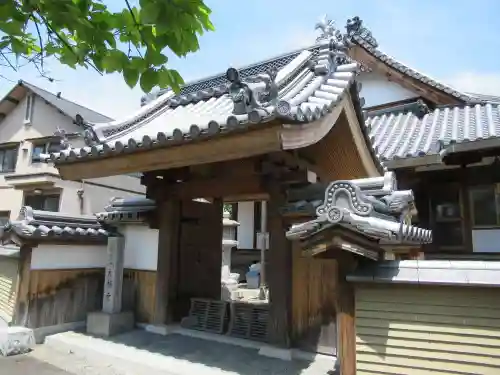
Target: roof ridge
(220, 75)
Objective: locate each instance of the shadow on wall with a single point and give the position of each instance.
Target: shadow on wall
(58, 297)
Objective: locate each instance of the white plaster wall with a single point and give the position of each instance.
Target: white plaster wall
(378, 90)
(486, 240)
(141, 247)
(246, 228)
(50, 257)
(45, 121)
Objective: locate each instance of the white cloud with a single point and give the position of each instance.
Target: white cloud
(475, 82)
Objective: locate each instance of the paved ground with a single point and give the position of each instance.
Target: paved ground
(28, 365)
(166, 355)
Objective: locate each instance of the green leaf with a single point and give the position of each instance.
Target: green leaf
(114, 61)
(149, 13)
(12, 28)
(155, 57)
(149, 79)
(87, 33)
(131, 76)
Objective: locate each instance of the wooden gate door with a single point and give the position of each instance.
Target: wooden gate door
(200, 254)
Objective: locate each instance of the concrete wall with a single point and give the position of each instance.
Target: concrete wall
(246, 228)
(45, 120)
(57, 257)
(378, 90)
(141, 247)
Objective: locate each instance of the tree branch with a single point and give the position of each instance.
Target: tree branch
(40, 41)
(8, 62)
(66, 44)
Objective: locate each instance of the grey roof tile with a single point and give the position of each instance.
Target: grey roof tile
(122, 210)
(405, 135)
(368, 206)
(309, 86)
(45, 225)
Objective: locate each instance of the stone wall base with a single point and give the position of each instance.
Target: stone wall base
(103, 324)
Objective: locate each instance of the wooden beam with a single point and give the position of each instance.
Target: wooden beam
(213, 187)
(235, 146)
(12, 100)
(169, 215)
(279, 265)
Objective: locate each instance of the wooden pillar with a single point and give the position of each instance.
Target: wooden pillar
(169, 215)
(346, 316)
(279, 275)
(21, 309)
(466, 209)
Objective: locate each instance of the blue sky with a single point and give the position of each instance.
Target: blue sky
(455, 41)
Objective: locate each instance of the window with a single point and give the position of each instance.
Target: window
(44, 148)
(485, 206)
(45, 202)
(30, 100)
(448, 224)
(4, 217)
(8, 159)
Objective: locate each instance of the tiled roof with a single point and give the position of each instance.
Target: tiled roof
(305, 89)
(430, 272)
(410, 72)
(66, 106)
(126, 210)
(219, 81)
(43, 225)
(406, 135)
(379, 213)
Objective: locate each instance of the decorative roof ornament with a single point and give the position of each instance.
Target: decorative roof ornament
(89, 135)
(64, 141)
(263, 93)
(354, 27)
(378, 211)
(328, 29)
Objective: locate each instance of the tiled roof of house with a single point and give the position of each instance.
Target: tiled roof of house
(406, 135)
(126, 210)
(410, 72)
(368, 206)
(53, 226)
(356, 34)
(67, 107)
(305, 89)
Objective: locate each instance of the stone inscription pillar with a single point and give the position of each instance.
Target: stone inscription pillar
(113, 282)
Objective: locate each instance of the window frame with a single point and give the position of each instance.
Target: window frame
(435, 220)
(4, 214)
(43, 195)
(496, 191)
(28, 113)
(45, 149)
(3, 150)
